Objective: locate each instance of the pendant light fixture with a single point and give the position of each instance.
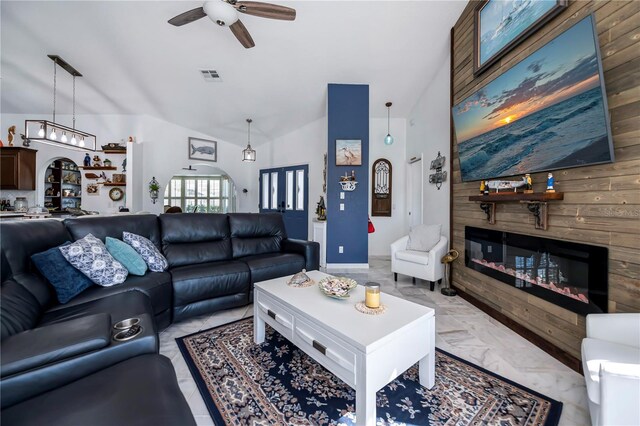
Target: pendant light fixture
(388, 140)
(249, 154)
(48, 131)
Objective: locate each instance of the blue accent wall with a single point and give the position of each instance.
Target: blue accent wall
(348, 118)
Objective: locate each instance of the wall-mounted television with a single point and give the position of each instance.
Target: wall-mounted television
(547, 112)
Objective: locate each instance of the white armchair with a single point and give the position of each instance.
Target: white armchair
(418, 264)
(611, 364)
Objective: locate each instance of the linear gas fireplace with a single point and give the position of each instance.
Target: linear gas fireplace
(571, 275)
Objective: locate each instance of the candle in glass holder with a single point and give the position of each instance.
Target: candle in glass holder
(372, 295)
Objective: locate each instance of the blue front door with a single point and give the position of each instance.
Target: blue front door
(285, 190)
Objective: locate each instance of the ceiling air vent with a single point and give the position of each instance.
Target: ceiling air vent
(210, 76)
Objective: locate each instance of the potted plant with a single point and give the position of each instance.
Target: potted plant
(154, 189)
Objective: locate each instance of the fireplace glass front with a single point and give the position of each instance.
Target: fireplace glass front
(571, 275)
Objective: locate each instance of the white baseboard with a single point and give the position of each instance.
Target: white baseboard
(347, 266)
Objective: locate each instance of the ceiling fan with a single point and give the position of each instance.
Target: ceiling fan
(225, 14)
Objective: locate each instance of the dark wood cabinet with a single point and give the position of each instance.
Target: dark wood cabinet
(18, 168)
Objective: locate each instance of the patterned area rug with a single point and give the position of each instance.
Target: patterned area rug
(275, 383)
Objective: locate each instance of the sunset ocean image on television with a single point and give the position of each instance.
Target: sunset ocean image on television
(545, 113)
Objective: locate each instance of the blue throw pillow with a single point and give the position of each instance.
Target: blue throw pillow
(67, 280)
(126, 255)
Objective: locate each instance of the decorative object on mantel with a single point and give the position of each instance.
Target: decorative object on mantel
(447, 259)
(321, 210)
(550, 182)
(119, 178)
(154, 189)
(97, 162)
(47, 131)
(106, 162)
(498, 185)
(536, 203)
(528, 187)
(388, 140)
(249, 154)
(87, 160)
(495, 37)
(203, 149)
(439, 176)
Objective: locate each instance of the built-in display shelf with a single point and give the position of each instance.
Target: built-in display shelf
(536, 203)
(114, 184)
(99, 168)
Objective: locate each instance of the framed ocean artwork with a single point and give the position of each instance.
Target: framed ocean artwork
(547, 112)
(500, 25)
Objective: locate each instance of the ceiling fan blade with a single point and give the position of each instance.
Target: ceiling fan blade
(240, 31)
(266, 10)
(187, 17)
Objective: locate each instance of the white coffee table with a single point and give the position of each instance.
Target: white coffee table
(365, 351)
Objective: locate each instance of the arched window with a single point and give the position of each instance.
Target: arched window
(201, 194)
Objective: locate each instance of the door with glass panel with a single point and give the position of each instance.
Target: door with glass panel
(285, 190)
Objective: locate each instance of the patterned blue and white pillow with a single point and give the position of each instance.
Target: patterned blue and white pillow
(145, 248)
(90, 256)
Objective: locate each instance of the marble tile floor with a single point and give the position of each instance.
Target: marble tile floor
(461, 329)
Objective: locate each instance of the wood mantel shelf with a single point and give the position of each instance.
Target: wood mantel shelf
(536, 203)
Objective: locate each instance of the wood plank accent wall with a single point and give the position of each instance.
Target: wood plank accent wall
(601, 203)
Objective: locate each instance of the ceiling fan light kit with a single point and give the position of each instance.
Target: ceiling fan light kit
(220, 12)
(47, 131)
(225, 14)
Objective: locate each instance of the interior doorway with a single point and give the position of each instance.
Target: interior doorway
(414, 186)
(285, 190)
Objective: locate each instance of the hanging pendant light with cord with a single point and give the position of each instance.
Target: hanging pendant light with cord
(388, 140)
(249, 154)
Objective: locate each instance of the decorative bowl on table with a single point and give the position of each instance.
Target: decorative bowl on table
(337, 287)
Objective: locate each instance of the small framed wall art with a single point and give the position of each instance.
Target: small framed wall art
(348, 152)
(499, 26)
(203, 149)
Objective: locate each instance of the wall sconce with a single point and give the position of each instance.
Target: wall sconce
(439, 176)
(154, 189)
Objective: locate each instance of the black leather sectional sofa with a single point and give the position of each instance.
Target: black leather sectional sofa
(59, 363)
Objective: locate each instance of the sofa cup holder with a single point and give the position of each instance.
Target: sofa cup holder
(128, 334)
(126, 324)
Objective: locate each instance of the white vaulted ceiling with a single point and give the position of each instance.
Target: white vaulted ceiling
(133, 62)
